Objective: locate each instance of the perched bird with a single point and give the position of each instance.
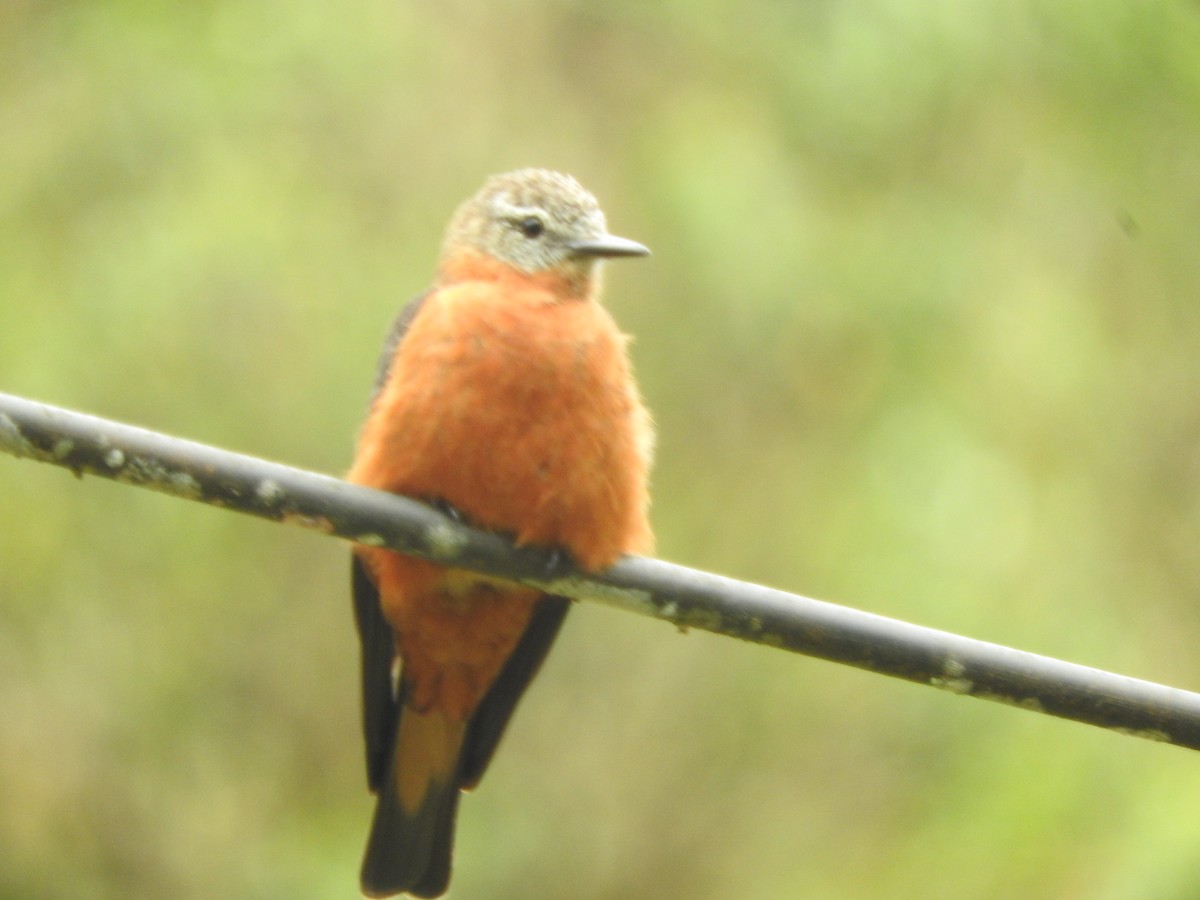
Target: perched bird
(504, 396)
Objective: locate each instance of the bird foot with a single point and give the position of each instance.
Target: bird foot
(558, 564)
(449, 510)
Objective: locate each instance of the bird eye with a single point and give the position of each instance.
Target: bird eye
(532, 227)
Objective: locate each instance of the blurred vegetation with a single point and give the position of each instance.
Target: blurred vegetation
(922, 335)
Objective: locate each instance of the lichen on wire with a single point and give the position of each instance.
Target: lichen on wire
(688, 598)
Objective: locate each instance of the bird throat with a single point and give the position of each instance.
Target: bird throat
(573, 280)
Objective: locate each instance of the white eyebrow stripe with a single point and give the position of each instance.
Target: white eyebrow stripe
(507, 210)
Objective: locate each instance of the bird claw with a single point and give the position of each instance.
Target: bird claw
(558, 563)
(449, 510)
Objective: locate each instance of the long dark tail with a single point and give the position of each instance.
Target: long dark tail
(419, 766)
(412, 833)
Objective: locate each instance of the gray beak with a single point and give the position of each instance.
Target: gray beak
(608, 245)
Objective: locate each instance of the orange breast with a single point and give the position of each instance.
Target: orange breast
(519, 411)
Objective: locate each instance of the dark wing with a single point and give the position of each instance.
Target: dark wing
(488, 723)
(380, 707)
(391, 343)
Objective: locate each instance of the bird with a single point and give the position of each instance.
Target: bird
(504, 396)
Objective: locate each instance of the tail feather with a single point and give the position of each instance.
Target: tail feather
(420, 762)
(412, 833)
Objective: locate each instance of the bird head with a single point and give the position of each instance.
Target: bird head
(535, 221)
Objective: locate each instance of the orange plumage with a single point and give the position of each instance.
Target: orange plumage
(508, 397)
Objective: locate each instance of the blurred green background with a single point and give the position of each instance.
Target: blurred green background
(921, 334)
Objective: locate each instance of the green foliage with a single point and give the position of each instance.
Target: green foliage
(922, 335)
